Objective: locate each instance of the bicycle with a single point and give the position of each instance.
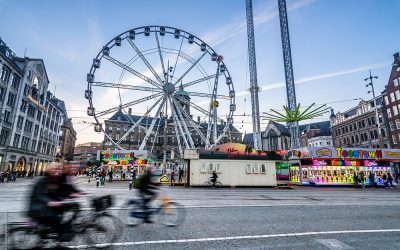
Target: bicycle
(97, 226)
(209, 183)
(172, 213)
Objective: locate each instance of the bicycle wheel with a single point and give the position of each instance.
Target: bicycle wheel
(173, 214)
(103, 230)
(218, 184)
(22, 237)
(207, 183)
(128, 213)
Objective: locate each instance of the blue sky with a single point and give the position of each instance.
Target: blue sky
(334, 43)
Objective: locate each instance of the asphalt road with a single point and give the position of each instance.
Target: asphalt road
(304, 218)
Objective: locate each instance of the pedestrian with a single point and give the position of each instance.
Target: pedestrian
(123, 176)
(172, 176)
(110, 176)
(385, 181)
(102, 176)
(390, 180)
(180, 174)
(355, 179)
(371, 178)
(362, 179)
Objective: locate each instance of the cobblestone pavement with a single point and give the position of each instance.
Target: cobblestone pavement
(245, 218)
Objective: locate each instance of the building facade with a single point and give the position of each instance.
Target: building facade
(391, 96)
(87, 152)
(119, 124)
(29, 122)
(277, 136)
(358, 127)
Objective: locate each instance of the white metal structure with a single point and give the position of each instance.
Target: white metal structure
(163, 73)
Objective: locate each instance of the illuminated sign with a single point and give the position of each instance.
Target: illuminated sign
(324, 152)
(392, 154)
(320, 163)
(359, 153)
(370, 163)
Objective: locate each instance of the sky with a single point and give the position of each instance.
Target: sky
(334, 44)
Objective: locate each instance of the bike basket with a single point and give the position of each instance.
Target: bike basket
(102, 203)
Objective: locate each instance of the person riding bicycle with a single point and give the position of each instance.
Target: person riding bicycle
(146, 190)
(214, 178)
(48, 199)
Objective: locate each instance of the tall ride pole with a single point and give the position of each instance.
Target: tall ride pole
(371, 83)
(255, 107)
(287, 59)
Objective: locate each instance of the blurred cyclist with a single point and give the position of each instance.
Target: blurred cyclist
(147, 191)
(47, 201)
(214, 178)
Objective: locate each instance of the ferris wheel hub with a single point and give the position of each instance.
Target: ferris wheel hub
(169, 88)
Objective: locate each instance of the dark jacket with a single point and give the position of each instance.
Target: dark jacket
(145, 182)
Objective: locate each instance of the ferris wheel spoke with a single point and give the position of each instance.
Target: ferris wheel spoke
(212, 119)
(144, 60)
(138, 122)
(126, 105)
(153, 122)
(198, 81)
(176, 121)
(190, 68)
(177, 58)
(125, 86)
(183, 122)
(134, 72)
(194, 125)
(208, 95)
(161, 57)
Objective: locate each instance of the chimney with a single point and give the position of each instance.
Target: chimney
(130, 111)
(198, 119)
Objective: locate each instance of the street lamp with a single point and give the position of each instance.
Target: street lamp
(371, 83)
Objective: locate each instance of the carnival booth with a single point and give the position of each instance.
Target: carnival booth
(124, 162)
(235, 164)
(338, 166)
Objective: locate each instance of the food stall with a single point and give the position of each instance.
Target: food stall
(338, 166)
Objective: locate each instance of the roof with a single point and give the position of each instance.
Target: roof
(353, 111)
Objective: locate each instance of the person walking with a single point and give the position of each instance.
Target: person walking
(385, 181)
(180, 174)
(355, 179)
(172, 176)
(110, 176)
(362, 179)
(390, 180)
(371, 178)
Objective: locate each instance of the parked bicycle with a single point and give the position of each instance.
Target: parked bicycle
(210, 184)
(97, 226)
(170, 213)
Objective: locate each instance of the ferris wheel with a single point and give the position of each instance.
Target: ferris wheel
(157, 75)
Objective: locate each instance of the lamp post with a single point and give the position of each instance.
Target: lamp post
(371, 83)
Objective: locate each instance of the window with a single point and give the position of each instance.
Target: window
(371, 135)
(16, 140)
(36, 129)
(328, 143)
(365, 136)
(4, 136)
(362, 137)
(394, 138)
(7, 115)
(15, 81)
(20, 121)
(11, 99)
(391, 126)
(392, 98)
(395, 110)
(352, 139)
(355, 126)
(376, 134)
(383, 132)
(5, 74)
(389, 113)
(386, 100)
(396, 81)
(398, 123)
(2, 93)
(29, 74)
(23, 106)
(38, 115)
(33, 147)
(28, 126)
(263, 169)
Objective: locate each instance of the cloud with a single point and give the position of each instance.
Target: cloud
(317, 77)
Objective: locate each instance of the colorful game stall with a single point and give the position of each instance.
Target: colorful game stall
(123, 162)
(338, 166)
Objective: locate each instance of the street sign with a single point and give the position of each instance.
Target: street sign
(164, 179)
